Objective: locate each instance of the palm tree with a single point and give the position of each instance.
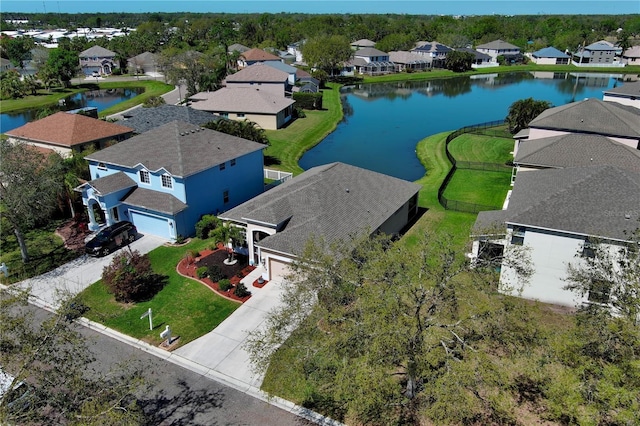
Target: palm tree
(523, 111)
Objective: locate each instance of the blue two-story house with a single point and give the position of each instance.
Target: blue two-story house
(165, 179)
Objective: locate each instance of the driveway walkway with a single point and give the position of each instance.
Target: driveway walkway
(75, 276)
(222, 348)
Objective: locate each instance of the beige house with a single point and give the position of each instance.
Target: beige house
(631, 56)
(263, 77)
(266, 109)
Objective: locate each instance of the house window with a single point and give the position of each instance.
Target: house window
(223, 166)
(233, 162)
(102, 166)
(240, 115)
(225, 196)
(599, 292)
(588, 249)
(224, 114)
(167, 182)
(144, 177)
(517, 238)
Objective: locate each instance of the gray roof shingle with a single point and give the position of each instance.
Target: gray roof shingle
(242, 100)
(601, 201)
(629, 89)
(575, 150)
(145, 119)
(591, 116)
(335, 201)
(97, 51)
(258, 72)
(497, 45)
(112, 183)
(154, 201)
(182, 149)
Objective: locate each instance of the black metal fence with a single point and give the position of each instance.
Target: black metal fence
(482, 128)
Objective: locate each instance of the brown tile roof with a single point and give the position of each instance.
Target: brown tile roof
(66, 129)
(259, 55)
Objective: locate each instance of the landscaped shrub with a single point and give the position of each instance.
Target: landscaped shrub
(201, 272)
(215, 273)
(129, 277)
(241, 290)
(308, 100)
(224, 284)
(206, 224)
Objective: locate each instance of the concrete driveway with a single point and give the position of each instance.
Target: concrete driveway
(75, 276)
(221, 350)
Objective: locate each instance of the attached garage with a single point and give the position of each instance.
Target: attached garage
(278, 268)
(147, 223)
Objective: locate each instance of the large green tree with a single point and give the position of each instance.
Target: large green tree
(458, 61)
(523, 111)
(64, 64)
(327, 52)
(63, 385)
(29, 188)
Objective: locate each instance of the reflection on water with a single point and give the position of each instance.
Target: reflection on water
(383, 122)
(100, 99)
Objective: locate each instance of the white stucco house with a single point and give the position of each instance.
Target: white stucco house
(550, 56)
(334, 202)
(499, 48)
(556, 215)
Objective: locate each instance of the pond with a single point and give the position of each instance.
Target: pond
(100, 99)
(383, 122)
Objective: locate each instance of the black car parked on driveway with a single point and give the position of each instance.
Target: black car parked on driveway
(111, 238)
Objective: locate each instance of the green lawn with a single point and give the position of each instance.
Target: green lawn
(290, 143)
(479, 187)
(46, 98)
(189, 307)
(480, 148)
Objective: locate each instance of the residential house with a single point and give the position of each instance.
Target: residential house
(550, 56)
(237, 47)
(363, 44)
(263, 77)
(600, 53)
(306, 82)
(165, 179)
(144, 63)
(497, 48)
(253, 56)
(631, 56)
(480, 60)
(590, 116)
(334, 202)
(556, 214)
(144, 119)
(407, 61)
(627, 94)
(372, 61)
(433, 51)
(65, 133)
(6, 65)
(266, 109)
(291, 70)
(97, 59)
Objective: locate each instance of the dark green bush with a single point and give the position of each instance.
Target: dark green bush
(308, 100)
(224, 284)
(241, 290)
(215, 273)
(205, 225)
(201, 272)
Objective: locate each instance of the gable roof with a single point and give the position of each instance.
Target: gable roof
(363, 42)
(591, 116)
(258, 55)
(145, 119)
(237, 47)
(258, 72)
(632, 52)
(154, 200)
(67, 130)
(575, 149)
(144, 58)
(549, 52)
(477, 55)
(432, 46)
(97, 51)
(242, 100)
(111, 183)
(497, 45)
(599, 201)
(182, 149)
(369, 51)
(335, 201)
(601, 45)
(629, 89)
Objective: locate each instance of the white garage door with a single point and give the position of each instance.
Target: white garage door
(278, 269)
(150, 224)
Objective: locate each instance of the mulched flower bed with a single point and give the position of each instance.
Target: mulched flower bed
(234, 272)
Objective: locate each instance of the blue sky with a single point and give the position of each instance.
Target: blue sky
(439, 7)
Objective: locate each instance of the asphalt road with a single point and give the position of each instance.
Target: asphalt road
(181, 397)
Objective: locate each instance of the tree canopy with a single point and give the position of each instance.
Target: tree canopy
(327, 52)
(523, 111)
